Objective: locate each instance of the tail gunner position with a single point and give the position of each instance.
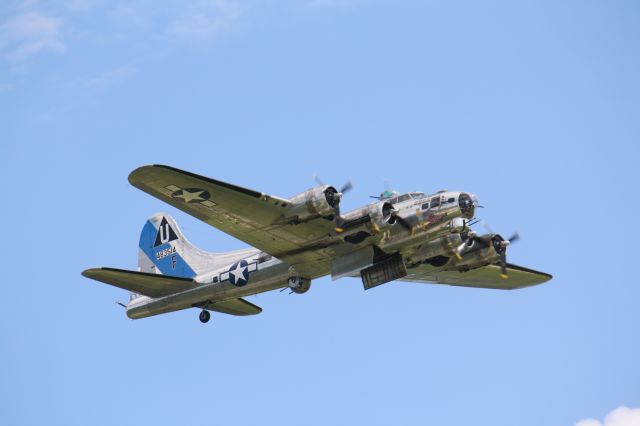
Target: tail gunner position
(410, 237)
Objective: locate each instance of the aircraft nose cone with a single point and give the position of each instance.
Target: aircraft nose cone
(467, 203)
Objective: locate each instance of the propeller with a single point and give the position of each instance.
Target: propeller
(317, 179)
(513, 238)
(348, 186)
(467, 240)
(486, 226)
(337, 196)
(333, 197)
(395, 217)
(500, 246)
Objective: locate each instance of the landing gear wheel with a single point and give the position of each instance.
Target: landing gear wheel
(205, 316)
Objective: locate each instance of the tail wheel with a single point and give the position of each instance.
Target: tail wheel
(205, 316)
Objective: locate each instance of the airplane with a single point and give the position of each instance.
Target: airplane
(408, 237)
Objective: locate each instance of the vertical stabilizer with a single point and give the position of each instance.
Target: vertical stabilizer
(163, 249)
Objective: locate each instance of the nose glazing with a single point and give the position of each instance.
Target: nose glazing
(466, 204)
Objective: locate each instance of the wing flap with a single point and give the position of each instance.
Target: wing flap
(239, 307)
(483, 277)
(152, 285)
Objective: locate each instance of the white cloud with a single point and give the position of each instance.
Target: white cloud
(29, 34)
(621, 416)
(588, 422)
(208, 19)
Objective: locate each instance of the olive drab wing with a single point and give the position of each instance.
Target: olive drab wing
(412, 237)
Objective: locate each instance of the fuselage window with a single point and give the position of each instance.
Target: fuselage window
(425, 206)
(451, 200)
(435, 202)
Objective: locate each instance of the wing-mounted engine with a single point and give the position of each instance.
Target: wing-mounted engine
(368, 220)
(436, 252)
(321, 201)
(462, 250)
(382, 214)
(458, 252)
(478, 251)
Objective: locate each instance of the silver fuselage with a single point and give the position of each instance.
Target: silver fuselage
(267, 273)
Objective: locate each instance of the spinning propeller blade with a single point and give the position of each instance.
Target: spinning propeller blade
(402, 221)
(502, 252)
(346, 187)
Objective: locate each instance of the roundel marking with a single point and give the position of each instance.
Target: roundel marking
(191, 195)
(239, 273)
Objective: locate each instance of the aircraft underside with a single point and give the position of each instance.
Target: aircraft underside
(411, 237)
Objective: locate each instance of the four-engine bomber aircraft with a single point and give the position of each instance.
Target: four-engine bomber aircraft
(409, 237)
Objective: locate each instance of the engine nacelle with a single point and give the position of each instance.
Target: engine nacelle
(444, 246)
(380, 214)
(321, 201)
(476, 258)
(370, 218)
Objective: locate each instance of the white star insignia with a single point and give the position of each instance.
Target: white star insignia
(190, 196)
(238, 273)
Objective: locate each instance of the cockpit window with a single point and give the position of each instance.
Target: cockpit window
(415, 195)
(435, 202)
(425, 206)
(402, 198)
(451, 200)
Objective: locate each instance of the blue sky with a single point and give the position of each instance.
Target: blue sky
(534, 106)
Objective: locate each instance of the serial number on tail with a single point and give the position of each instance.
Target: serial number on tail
(166, 252)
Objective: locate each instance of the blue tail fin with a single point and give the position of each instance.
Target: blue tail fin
(164, 250)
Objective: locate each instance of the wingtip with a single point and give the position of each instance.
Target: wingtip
(90, 273)
(133, 176)
(136, 173)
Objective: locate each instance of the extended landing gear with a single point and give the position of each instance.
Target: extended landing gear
(205, 316)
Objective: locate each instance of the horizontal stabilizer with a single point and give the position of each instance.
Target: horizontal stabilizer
(238, 307)
(152, 285)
